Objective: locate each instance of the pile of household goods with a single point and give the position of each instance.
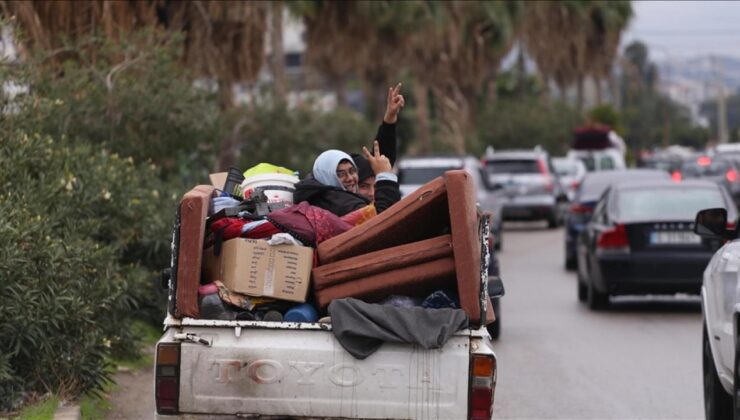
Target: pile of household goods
(247, 252)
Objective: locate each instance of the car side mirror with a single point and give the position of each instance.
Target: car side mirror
(712, 223)
(495, 287)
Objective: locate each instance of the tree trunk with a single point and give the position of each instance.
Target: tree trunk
(228, 150)
(277, 57)
(521, 74)
(614, 91)
(599, 98)
(423, 129)
(579, 95)
(340, 91)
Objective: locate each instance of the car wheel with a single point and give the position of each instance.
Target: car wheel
(494, 328)
(596, 300)
(498, 243)
(552, 221)
(570, 263)
(717, 402)
(582, 289)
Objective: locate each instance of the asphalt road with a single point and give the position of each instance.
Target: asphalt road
(641, 358)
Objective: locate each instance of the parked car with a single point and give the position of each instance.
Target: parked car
(722, 170)
(640, 240)
(415, 172)
(599, 160)
(531, 187)
(591, 188)
(571, 172)
(721, 313)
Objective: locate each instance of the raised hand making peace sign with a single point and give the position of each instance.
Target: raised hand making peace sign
(395, 102)
(378, 162)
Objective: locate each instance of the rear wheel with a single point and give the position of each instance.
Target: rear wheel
(570, 263)
(596, 299)
(552, 221)
(717, 402)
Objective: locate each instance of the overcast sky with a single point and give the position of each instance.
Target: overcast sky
(680, 29)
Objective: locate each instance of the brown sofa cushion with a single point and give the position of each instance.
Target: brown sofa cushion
(381, 261)
(418, 216)
(416, 280)
(193, 213)
(466, 243)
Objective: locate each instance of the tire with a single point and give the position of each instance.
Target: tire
(582, 290)
(494, 328)
(596, 300)
(582, 284)
(499, 243)
(717, 402)
(552, 221)
(571, 263)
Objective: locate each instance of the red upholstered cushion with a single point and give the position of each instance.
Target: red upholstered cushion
(193, 213)
(381, 261)
(466, 243)
(418, 216)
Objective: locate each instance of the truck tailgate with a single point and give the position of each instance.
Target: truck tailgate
(261, 372)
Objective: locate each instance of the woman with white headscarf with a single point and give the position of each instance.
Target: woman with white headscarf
(333, 183)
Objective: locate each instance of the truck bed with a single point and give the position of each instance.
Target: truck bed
(253, 368)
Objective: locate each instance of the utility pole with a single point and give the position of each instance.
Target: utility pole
(722, 132)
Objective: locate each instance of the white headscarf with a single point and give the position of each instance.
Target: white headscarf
(325, 167)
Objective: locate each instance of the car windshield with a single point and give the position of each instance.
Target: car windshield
(422, 175)
(648, 204)
(512, 166)
(704, 168)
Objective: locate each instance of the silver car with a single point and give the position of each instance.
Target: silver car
(571, 173)
(531, 186)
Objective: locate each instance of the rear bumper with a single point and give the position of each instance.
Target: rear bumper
(652, 273)
(529, 207)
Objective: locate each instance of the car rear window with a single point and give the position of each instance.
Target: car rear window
(698, 169)
(512, 166)
(565, 167)
(650, 204)
(415, 176)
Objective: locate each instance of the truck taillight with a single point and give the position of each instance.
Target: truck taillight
(482, 386)
(167, 380)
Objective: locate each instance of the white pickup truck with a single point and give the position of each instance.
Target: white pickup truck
(299, 370)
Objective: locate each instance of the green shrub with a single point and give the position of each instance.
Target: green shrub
(77, 224)
(294, 138)
(526, 123)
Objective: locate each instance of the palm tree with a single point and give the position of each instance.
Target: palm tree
(224, 40)
(571, 40)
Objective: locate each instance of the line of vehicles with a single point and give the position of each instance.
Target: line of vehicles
(666, 227)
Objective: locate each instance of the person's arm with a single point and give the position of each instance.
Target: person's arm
(386, 136)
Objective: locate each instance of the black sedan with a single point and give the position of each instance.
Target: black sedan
(640, 240)
(588, 193)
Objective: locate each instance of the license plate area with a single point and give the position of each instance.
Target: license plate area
(674, 238)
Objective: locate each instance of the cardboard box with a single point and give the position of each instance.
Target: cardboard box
(255, 268)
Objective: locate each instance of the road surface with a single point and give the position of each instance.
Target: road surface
(557, 359)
